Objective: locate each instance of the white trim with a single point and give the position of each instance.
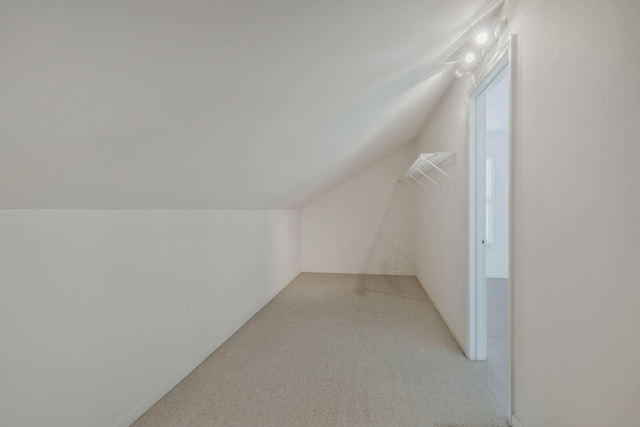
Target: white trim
(170, 383)
(471, 188)
(388, 273)
(505, 57)
(513, 78)
(371, 272)
(515, 421)
(452, 329)
(476, 262)
(497, 276)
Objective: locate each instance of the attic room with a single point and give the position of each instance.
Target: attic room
(218, 213)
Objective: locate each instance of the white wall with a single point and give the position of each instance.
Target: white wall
(366, 224)
(102, 312)
(442, 217)
(497, 260)
(577, 204)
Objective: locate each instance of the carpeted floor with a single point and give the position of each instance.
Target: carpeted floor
(339, 350)
(498, 328)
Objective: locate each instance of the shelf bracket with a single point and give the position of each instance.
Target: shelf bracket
(437, 168)
(422, 166)
(419, 182)
(410, 184)
(428, 177)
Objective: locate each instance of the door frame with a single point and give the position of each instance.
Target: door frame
(504, 59)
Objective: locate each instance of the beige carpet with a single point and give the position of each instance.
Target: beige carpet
(338, 350)
(498, 328)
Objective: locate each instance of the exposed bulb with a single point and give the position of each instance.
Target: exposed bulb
(482, 38)
(470, 57)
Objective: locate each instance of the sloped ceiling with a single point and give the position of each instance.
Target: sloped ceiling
(211, 104)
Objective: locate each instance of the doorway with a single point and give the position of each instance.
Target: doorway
(491, 219)
(496, 240)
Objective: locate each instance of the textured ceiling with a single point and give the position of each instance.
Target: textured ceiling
(211, 104)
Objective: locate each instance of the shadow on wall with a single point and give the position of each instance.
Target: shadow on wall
(393, 250)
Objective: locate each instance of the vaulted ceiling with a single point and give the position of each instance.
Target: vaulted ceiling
(212, 104)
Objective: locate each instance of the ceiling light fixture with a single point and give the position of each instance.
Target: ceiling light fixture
(477, 50)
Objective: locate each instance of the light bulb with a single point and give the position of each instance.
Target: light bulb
(482, 38)
(470, 57)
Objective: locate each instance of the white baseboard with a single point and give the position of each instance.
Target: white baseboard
(389, 273)
(462, 343)
(374, 272)
(154, 397)
(515, 421)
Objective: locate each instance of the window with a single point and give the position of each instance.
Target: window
(489, 239)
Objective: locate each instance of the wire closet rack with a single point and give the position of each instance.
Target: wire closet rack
(425, 163)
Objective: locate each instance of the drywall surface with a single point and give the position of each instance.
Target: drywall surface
(577, 231)
(497, 260)
(366, 224)
(576, 205)
(102, 312)
(441, 215)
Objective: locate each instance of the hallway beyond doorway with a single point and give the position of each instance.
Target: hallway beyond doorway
(498, 328)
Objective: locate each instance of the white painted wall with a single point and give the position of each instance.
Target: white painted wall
(102, 312)
(577, 204)
(441, 226)
(366, 224)
(497, 259)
